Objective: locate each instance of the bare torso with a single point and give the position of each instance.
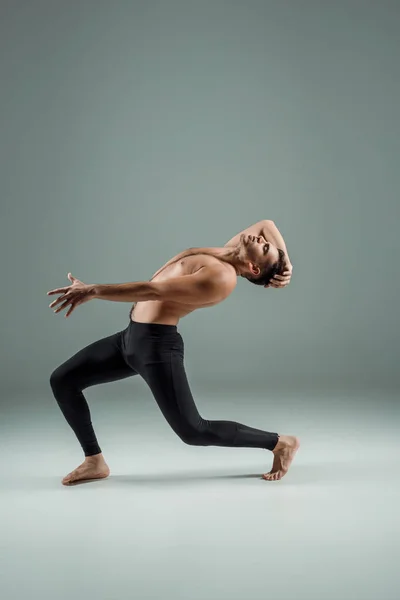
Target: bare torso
(185, 263)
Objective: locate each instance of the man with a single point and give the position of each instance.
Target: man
(152, 347)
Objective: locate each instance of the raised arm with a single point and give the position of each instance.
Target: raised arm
(266, 228)
(272, 234)
(255, 229)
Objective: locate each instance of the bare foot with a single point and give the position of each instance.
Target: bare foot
(284, 452)
(93, 467)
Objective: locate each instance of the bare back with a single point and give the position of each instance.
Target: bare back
(168, 312)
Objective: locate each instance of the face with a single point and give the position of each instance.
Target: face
(257, 252)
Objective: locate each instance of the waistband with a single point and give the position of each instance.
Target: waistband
(153, 327)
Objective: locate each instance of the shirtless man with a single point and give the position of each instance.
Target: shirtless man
(152, 347)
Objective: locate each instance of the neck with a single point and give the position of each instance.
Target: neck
(227, 254)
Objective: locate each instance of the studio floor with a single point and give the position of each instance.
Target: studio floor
(191, 523)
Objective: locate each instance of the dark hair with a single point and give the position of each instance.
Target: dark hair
(269, 272)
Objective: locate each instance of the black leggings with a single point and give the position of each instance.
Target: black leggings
(154, 351)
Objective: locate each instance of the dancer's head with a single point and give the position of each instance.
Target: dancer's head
(260, 260)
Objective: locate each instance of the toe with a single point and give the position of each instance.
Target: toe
(68, 478)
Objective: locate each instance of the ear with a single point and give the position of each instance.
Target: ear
(254, 269)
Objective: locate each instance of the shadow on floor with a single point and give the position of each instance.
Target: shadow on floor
(300, 474)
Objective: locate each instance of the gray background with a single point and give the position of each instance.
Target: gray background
(132, 130)
(129, 132)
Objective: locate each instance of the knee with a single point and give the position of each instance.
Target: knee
(194, 436)
(192, 439)
(58, 379)
(55, 379)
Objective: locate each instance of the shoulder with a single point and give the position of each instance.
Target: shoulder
(218, 273)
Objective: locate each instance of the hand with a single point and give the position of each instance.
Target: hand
(281, 281)
(75, 294)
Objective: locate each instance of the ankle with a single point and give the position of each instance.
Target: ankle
(282, 442)
(287, 441)
(95, 458)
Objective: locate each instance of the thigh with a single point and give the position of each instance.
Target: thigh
(170, 387)
(99, 362)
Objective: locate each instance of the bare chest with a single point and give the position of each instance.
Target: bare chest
(168, 311)
(178, 267)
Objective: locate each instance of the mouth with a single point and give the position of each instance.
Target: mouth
(260, 239)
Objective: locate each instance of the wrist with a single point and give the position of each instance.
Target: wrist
(92, 290)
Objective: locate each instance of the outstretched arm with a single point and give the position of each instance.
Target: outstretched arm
(79, 292)
(206, 286)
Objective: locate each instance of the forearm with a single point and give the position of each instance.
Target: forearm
(124, 292)
(272, 234)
